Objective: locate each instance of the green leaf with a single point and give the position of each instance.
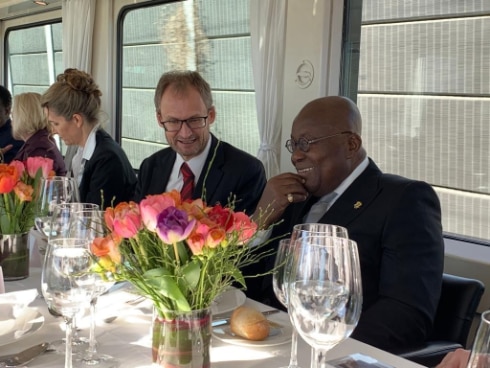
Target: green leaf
(161, 280)
(192, 273)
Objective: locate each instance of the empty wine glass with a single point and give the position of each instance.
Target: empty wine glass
(52, 191)
(89, 224)
(325, 293)
(67, 283)
(280, 284)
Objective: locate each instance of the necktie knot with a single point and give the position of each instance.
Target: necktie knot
(188, 178)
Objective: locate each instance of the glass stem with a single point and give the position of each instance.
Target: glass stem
(293, 362)
(68, 346)
(319, 358)
(92, 347)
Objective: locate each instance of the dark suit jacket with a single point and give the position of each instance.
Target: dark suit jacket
(108, 170)
(397, 227)
(232, 172)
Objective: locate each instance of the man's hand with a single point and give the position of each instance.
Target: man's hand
(4, 150)
(456, 359)
(279, 192)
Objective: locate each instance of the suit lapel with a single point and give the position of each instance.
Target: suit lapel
(215, 174)
(356, 198)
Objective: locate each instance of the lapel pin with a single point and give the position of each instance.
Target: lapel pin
(357, 205)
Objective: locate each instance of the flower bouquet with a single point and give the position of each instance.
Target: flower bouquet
(18, 200)
(181, 255)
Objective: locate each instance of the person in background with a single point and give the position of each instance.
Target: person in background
(456, 359)
(395, 221)
(30, 125)
(100, 166)
(185, 111)
(8, 145)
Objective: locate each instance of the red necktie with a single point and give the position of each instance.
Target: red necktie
(188, 187)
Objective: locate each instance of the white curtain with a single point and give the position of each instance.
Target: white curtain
(78, 28)
(268, 30)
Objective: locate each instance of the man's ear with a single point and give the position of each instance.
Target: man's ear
(354, 143)
(211, 115)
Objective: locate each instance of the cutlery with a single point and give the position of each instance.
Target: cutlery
(220, 321)
(23, 357)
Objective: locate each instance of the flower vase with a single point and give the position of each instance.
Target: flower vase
(14, 256)
(182, 339)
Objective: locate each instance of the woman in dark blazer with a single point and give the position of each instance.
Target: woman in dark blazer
(102, 169)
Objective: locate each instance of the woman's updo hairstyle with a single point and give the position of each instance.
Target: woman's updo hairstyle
(74, 92)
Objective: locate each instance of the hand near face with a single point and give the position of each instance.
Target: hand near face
(280, 191)
(456, 359)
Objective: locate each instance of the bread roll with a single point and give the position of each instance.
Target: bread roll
(249, 323)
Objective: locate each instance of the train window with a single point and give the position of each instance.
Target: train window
(424, 93)
(209, 36)
(33, 57)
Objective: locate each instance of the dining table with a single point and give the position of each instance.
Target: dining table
(123, 330)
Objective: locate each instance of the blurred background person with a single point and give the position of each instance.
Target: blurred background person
(30, 125)
(8, 145)
(100, 166)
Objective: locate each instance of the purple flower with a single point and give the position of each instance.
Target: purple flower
(173, 225)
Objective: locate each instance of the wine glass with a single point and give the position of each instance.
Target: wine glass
(89, 224)
(60, 224)
(52, 191)
(325, 292)
(480, 352)
(280, 284)
(67, 283)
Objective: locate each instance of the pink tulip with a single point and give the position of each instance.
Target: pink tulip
(19, 166)
(245, 227)
(127, 219)
(35, 163)
(152, 206)
(173, 225)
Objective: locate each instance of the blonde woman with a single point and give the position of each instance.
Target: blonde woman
(100, 166)
(31, 126)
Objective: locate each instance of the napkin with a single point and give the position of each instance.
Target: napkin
(14, 313)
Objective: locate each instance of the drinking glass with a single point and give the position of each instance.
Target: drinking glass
(89, 224)
(53, 191)
(325, 292)
(480, 353)
(60, 224)
(67, 283)
(280, 283)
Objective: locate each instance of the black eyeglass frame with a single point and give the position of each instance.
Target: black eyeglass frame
(175, 121)
(304, 144)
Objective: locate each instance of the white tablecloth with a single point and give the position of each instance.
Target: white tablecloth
(128, 338)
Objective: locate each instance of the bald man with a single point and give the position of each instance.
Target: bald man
(395, 221)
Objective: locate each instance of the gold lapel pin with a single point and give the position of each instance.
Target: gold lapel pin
(357, 205)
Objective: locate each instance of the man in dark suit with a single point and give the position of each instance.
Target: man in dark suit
(185, 110)
(8, 145)
(395, 221)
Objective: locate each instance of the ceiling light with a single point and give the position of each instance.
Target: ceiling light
(39, 2)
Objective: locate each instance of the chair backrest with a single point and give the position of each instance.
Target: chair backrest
(459, 300)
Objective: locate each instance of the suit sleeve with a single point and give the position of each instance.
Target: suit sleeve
(251, 187)
(410, 272)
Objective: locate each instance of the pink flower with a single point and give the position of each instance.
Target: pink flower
(173, 225)
(35, 163)
(245, 227)
(23, 191)
(19, 166)
(127, 219)
(221, 216)
(152, 206)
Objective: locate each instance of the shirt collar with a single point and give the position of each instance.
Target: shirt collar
(89, 148)
(348, 181)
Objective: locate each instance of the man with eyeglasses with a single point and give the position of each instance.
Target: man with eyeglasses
(395, 221)
(196, 160)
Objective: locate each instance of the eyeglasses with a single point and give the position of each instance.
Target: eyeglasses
(304, 144)
(193, 123)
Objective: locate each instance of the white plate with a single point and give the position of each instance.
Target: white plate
(279, 334)
(28, 321)
(228, 301)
